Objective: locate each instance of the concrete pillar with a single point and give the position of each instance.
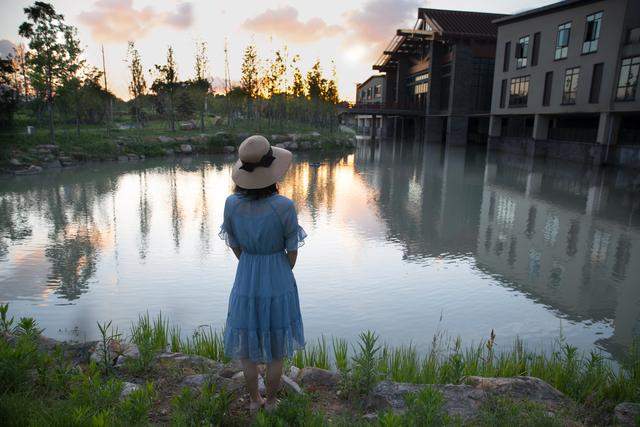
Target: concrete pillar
(433, 129)
(490, 172)
(534, 183)
(372, 128)
(495, 126)
(608, 128)
(457, 130)
(596, 199)
(540, 127)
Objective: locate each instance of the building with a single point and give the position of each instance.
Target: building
(370, 93)
(566, 81)
(438, 76)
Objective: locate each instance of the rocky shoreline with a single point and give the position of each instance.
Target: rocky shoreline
(172, 372)
(127, 148)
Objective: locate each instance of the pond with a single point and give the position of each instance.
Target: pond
(405, 239)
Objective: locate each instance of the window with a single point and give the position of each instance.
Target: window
(596, 81)
(377, 91)
(507, 54)
(570, 89)
(535, 51)
(503, 93)
(522, 52)
(562, 40)
(628, 80)
(363, 94)
(548, 84)
(592, 33)
(519, 92)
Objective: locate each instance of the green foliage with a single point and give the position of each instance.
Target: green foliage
(6, 324)
(425, 408)
(313, 355)
(108, 339)
(341, 354)
(294, 410)
(501, 412)
(364, 373)
(208, 408)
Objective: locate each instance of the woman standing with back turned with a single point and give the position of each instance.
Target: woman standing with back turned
(264, 324)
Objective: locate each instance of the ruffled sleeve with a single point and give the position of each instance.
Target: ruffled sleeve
(294, 233)
(226, 229)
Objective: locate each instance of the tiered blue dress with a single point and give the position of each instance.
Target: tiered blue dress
(264, 321)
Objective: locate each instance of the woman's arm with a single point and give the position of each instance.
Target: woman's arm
(237, 251)
(293, 256)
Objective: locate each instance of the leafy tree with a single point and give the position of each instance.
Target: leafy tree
(249, 80)
(275, 76)
(331, 87)
(315, 82)
(138, 84)
(201, 84)
(165, 85)
(184, 104)
(297, 87)
(54, 53)
(8, 93)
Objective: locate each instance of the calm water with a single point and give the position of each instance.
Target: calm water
(404, 239)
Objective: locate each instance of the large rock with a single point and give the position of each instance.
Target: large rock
(115, 350)
(31, 170)
(316, 377)
(53, 164)
(290, 385)
(465, 400)
(47, 148)
(15, 162)
(188, 125)
(229, 149)
(231, 369)
(166, 139)
(189, 361)
(293, 146)
(67, 161)
(627, 414)
(127, 389)
(186, 148)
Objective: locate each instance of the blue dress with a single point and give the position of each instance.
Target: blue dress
(263, 321)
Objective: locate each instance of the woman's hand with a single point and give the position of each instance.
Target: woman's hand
(293, 256)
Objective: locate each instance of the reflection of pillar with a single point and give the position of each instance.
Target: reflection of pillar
(433, 129)
(453, 191)
(372, 128)
(495, 126)
(596, 199)
(490, 172)
(608, 127)
(540, 127)
(534, 183)
(457, 129)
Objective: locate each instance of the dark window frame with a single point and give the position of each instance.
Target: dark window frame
(548, 87)
(590, 45)
(519, 91)
(630, 87)
(503, 93)
(596, 83)
(507, 56)
(535, 49)
(569, 97)
(562, 51)
(522, 52)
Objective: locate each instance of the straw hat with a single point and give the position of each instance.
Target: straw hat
(260, 165)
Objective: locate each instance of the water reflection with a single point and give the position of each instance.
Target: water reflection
(401, 233)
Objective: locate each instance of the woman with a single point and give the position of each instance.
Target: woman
(264, 324)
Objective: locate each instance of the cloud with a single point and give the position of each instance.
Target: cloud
(284, 22)
(6, 48)
(119, 20)
(376, 21)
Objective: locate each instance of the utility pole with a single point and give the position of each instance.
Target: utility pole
(106, 89)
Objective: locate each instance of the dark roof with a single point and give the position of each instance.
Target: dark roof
(550, 8)
(457, 22)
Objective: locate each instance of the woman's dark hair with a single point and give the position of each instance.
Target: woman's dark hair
(256, 193)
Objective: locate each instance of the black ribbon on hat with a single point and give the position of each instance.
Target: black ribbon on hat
(264, 162)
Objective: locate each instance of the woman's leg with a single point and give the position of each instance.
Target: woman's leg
(251, 378)
(274, 372)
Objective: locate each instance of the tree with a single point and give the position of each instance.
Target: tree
(297, 87)
(138, 84)
(275, 76)
(165, 85)
(331, 87)
(315, 82)
(201, 84)
(8, 93)
(54, 53)
(249, 79)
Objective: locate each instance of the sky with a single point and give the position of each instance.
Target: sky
(352, 33)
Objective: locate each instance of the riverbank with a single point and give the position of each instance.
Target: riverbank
(155, 375)
(30, 154)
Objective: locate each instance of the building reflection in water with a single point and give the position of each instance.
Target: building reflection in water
(566, 236)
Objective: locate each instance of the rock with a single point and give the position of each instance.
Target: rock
(231, 385)
(304, 145)
(293, 136)
(115, 351)
(347, 129)
(371, 416)
(31, 170)
(314, 133)
(66, 161)
(46, 148)
(186, 148)
(128, 388)
(627, 414)
(231, 369)
(194, 381)
(123, 158)
(465, 400)
(142, 157)
(199, 139)
(291, 386)
(292, 146)
(166, 139)
(169, 152)
(132, 157)
(229, 149)
(216, 120)
(282, 145)
(125, 126)
(188, 125)
(294, 371)
(316, 377)
(189, 360)
(274, 139)
(15, 162)
(53, 164)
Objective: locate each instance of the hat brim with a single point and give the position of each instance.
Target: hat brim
(262, 177)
